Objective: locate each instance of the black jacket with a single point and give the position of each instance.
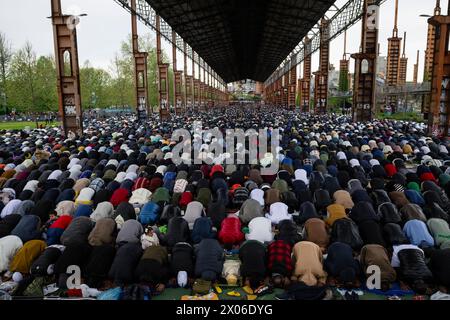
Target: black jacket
(439, 263)
(47, 258)
(394, 235)
(170, 211)
(76, 254)
(389, 213)
(363, 211)
(379, 197)
(253, 257)
(288, 231)
(8, 223)
(216, 211)
(371, 233)
(340, 257)
(177, 231)
(125, 262)
(209, 257)
(346, 231)
(98, 265)
(322, 200)
(78, 231)
(413, 266)
(182, 259)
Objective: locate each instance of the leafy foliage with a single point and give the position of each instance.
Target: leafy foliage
(29, 82)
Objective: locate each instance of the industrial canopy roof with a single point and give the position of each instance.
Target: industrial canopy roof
(242, 39)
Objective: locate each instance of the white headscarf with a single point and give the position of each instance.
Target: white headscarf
(9, 246)
(301, 174)
(278, 212)
(86, 194)
(31, 185)
(65, 208)
(258, 195)
(120, 177)
(10, 208)
(54, 175)
(104, 210)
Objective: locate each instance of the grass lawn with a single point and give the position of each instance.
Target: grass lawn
(21, 125)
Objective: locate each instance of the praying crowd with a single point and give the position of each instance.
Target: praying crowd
(347, 199)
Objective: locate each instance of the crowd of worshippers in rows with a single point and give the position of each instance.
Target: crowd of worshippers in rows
(346, 196)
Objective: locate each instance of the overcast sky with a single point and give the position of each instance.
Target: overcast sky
(107, 24)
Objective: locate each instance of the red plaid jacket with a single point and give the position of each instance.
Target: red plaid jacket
(279, 255)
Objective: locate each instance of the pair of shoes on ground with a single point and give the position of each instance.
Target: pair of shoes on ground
(286, 296)
(351, 295)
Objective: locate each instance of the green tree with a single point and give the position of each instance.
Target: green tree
(146, 44)
(23, 79)
(45, 84)
(343, 81)
(94, 84)
(343, 87)
(122, 83)
(5, 62)
(31, 81)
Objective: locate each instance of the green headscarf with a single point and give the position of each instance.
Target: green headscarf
(413, 186)
(444, 179)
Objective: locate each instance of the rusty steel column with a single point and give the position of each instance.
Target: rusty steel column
(275, 92)
(393, 61)
(364, 103)
(196, 95)
(299, 90)
(195, 88)
(428, 63)
(140, 69)
(281, 92)
(210, 91)
(439, 117)
(68, 80)
(292, 88)
(187, 83)
(200, 86)
(321, 76)
(163, 76)
(206, 86)
(429, 52)
(279, 86)
(285, 92)
(203, 89)
(268, 94)
(403, 66)
(214, 90)
(177, 78)
(306, 80)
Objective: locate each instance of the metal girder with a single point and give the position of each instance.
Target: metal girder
(341, 19)
(439, 116)
(140, 71)
(321, 76)
(364, 99)
(147, 15)
(214, 29)
(68, 72)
